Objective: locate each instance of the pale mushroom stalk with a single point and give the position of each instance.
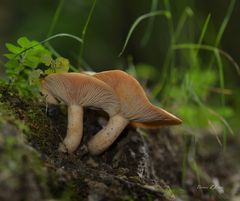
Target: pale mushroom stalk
(74, 129)
(105, 138)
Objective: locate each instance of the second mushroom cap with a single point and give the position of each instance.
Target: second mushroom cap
(135, 105)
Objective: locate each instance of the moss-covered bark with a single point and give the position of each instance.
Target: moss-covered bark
(125, 172)
(139, 166)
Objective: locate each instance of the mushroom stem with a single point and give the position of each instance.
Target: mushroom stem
(74, 129)
(105, 137)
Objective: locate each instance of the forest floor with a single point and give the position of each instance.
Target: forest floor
(142, 165)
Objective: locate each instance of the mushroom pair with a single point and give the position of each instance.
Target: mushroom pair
(77, 90)
(115, 92)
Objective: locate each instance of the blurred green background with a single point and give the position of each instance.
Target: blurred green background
(110, 24)
(201, 86)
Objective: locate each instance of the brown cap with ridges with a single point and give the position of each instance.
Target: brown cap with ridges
(134, 108)
(135, 105)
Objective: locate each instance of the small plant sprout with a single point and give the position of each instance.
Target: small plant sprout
(77, 91)
(134, 107)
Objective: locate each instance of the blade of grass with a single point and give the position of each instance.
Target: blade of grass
(55, 17)
(221, 75)
(169, 63)
(182, 20)
(194, 61)
(170, 21)
(215, 132)
(200, 103)
(224, 23)
(160, 85)
(85, 30)
(222, 86)
(208, 48)
(54, 51)
(53, 25)
(149, 28)
(137, 21)
(184, 161)
(53, 37)
(224, 121)
(200, 173)
(203, 32)
(204, 29)
(223, 26)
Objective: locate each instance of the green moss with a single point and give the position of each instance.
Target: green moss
(127, 198)
(23, 173)
(28, 116)
(21, 169)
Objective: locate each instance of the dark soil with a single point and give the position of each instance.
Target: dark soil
(141, 165)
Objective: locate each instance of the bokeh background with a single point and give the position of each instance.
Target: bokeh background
(110, 24)
(148, 47)
(187, 61)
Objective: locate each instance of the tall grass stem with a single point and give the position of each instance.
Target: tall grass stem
(85, 30)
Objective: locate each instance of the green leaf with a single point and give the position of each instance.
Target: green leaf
(46, 59)
(31, 61)
(12, 64)
(22, 69)
(49, 71)
(61, 65)
(34, 77)
(12, 48)
(35, 56)
(9, 56)
(24, 42)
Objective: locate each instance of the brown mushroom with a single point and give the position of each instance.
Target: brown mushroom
(134, 107)
(77, 91)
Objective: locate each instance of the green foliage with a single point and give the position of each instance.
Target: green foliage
(191, 84)
(146, 71)
(28, 60)
(194, 95)
(195, 92)
(59, 65)
(191, 95)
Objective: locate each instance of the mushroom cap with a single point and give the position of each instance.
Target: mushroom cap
(135, 105)
(80, 89)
